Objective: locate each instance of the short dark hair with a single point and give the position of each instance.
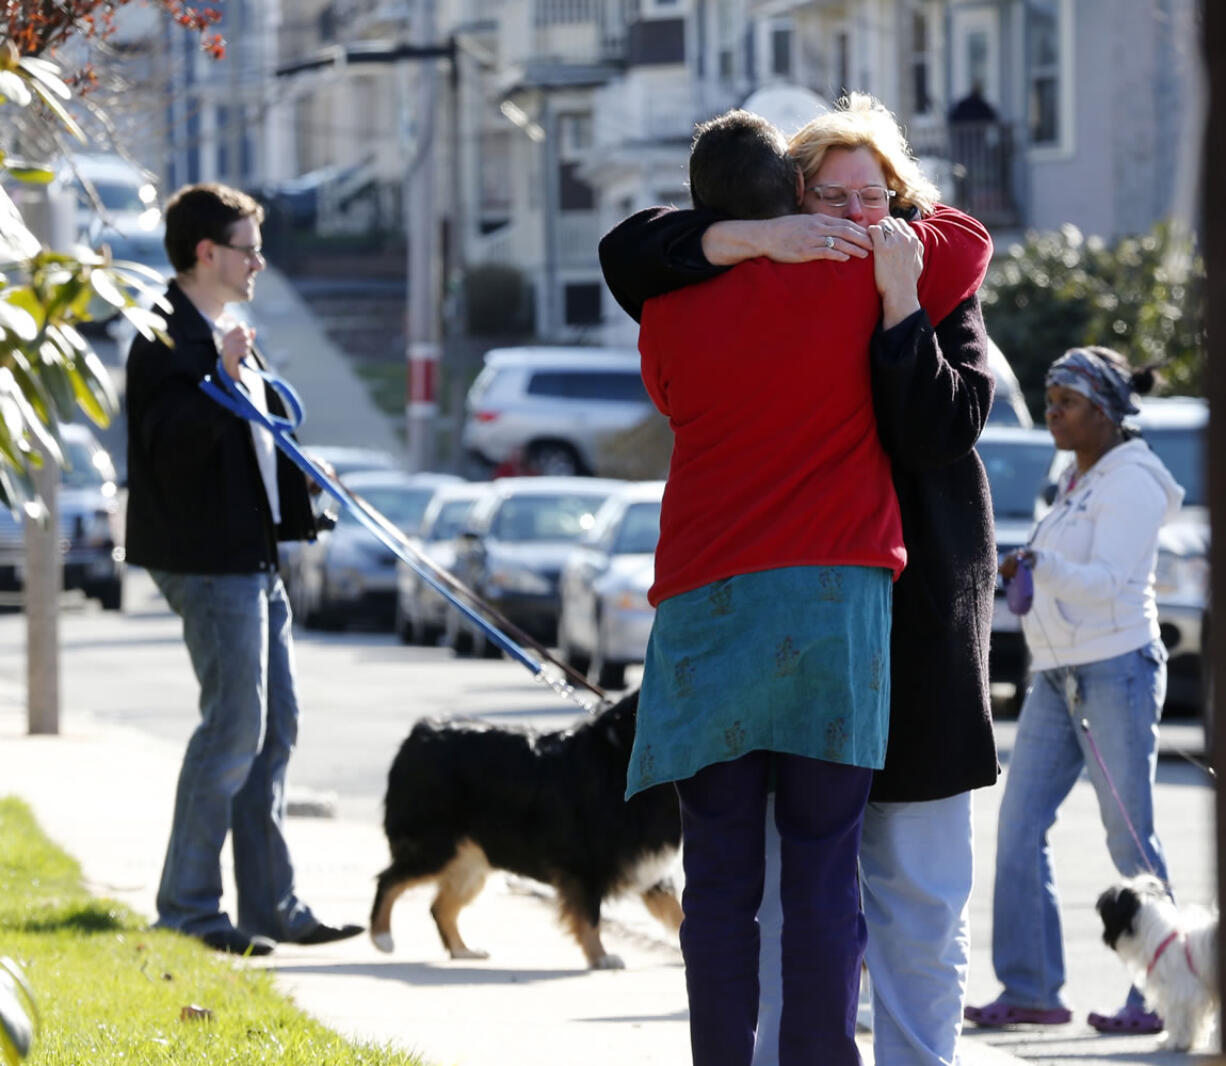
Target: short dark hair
(739, 165)
(204, 211)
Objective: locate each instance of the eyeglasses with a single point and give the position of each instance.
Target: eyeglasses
(837, 195)
(251, 252)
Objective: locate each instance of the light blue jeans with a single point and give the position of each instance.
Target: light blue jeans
(1121, 700)
(917, 912)
(237, 630)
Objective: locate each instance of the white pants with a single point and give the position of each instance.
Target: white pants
(916, 874)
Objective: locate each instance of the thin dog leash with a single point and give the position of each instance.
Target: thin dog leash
(1025, 597)
(225, 391)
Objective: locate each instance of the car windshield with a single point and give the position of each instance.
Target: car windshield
(115, 195)
(1017, 473)
(448, 520)
(144, 248)
(1182, 451)
(402, 507)
(640, 530)
(531, 518)
(79, 471)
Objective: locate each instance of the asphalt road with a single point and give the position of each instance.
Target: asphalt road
(362, 691)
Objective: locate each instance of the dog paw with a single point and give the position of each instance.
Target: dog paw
(609, 962)
(384, 942)
(469, 953)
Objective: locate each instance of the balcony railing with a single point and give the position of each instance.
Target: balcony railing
(978, 166)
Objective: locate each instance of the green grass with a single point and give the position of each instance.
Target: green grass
(110, 991)
(384, 380)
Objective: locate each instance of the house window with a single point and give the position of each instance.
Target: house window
(842, 64)
(583, 304)
(1044, 86)
(574, 131)
(495, 164)
(223, 142)
(728, 23)
(574, 194)
(781, 49)
(921, 66)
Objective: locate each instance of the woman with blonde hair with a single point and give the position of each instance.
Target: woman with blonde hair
(931, 392)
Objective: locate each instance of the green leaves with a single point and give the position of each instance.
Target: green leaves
(1142, 295)
(48, 372)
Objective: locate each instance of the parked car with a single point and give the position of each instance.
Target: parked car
(1008, 405)
(347, 574)
(1020, 464)
(89, 522)
(421, 612)
(546, 410)
(605, 617)
(139, 240)
(512, 550)
(344, 460)
(1176, 427)
(125, 191)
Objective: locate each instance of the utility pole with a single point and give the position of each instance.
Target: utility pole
(417, 130)
(42, 584)
(49, 215)
(421, 402)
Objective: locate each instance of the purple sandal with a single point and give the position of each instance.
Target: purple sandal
(998, 1015)
(1129, 1019)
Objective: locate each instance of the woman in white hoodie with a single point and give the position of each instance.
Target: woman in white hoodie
(1097, 657)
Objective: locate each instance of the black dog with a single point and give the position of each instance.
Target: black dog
(464, 797)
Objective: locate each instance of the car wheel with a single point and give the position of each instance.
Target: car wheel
(109, 594)
(554, 459)
(403, 625)
(605, 672)
(608, 675)
(576, 659)
(458, 637)
(319, 615)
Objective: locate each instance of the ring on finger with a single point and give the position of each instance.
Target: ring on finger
(829, 241)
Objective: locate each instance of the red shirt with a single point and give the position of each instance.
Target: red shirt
(763, 373)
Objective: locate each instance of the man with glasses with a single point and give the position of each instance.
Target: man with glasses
(209, 497)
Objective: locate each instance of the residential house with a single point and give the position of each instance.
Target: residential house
(1087, 111)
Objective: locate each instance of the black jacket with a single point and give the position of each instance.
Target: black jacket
(931, 393)
(196, 501)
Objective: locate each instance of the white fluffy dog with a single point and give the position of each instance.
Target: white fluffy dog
(1170, 952)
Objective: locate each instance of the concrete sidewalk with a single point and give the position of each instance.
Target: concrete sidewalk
(531, 1004)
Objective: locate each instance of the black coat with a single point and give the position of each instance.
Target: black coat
(196, 500)
(931, 393)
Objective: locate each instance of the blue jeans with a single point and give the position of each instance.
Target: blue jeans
(237, 631)
(819, 809)
(918, 931)
(1121, 699)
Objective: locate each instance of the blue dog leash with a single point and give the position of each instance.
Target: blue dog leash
(225, 391)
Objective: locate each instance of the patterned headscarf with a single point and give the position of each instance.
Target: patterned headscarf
(1099, 380)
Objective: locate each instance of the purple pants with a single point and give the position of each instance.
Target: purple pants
(819, 810)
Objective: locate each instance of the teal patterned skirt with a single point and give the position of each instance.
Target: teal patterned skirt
(794, 660)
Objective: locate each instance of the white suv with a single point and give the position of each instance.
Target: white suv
(548, 410)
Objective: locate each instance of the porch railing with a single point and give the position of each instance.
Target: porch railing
(978, 164)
